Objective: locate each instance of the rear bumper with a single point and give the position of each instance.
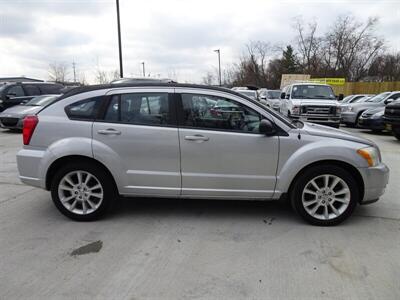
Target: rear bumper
(375, 181)
(30, 167)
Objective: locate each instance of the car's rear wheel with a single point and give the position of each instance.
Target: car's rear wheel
(325, 195)
(83, 191)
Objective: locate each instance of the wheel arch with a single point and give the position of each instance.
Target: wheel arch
(58, 163)
(348, 167)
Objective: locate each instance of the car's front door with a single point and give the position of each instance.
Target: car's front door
(223, 155)
(138, 138)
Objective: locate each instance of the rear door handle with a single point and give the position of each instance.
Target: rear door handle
(109, 131)
(197, 137)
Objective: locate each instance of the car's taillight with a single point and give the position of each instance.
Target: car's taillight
(29, 125)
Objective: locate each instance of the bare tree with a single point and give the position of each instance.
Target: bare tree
(104, 77)
(58, 72)
(209, 78)
(352, 46)
(308, 44)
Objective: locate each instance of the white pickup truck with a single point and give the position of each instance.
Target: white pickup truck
(311, 102)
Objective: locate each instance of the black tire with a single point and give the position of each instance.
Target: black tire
(396, 133)
(108, 189)
(300, 184)
(356, 124)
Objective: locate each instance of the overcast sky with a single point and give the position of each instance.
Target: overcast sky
(172, 37)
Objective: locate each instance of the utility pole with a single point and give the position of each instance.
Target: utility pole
(121, 71)
(219, 65)
(74, 69)
(144, 73)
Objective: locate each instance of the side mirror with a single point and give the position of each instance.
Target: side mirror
(283, 95)
(266, 127)
(263, 97)
(340, 98)
(10, 95)
(287, 96)
(387, 101)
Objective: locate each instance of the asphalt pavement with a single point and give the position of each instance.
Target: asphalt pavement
(186, 249)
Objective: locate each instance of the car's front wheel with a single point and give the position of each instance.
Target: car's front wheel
(82, 191)
(325, 195)
(396, 133)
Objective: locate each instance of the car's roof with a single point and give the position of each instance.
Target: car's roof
(89, 88)
(308, 83)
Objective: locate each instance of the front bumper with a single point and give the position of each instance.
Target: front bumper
(324, 120)
(349, 117)
(375, 181)
(11, 122)
(375, 124)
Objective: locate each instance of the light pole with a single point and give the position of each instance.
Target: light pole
(219, 65)
(144, 73)
(121, 71)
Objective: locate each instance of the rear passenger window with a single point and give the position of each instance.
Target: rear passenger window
(32, 90)
(16, 91)
(50, 89)
(85, 109)
(141, 109)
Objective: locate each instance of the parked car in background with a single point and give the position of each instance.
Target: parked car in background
(15, 93)
(249, 93)
(352, 112)
(311, 102)
(96, 143)
(354, 98)
(271, 98)
(12, 118)
(392, 118)
(372, 119)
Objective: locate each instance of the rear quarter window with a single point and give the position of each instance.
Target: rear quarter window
(86, 109)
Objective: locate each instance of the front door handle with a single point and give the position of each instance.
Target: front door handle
(197, 137)
(109, 131)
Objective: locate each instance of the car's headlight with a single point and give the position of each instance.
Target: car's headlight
(371, 155)
(1, 101)
(296, 110)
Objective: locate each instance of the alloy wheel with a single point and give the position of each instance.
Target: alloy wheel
(80, 192)
(326, 197)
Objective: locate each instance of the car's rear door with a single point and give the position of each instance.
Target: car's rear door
(222, 153)
(138, 137)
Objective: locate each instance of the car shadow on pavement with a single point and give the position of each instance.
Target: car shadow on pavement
(267, 211)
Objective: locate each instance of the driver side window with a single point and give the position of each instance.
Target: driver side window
(211, 112)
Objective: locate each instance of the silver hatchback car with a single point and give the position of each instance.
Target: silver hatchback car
(171, 140)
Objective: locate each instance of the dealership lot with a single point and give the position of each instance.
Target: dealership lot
(174, 249)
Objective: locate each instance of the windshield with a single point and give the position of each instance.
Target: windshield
(251, 94)
(313, 92)
(379, 97)
(347, 99)
(41, 100)
(362, 99)
(274, 94)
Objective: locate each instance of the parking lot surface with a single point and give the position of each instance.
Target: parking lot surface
(186, 249)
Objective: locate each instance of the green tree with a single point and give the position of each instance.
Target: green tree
(289, 61)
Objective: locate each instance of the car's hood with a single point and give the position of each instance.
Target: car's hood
(375, 110)
(325, 131)
(21, 110)
(319, 102)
